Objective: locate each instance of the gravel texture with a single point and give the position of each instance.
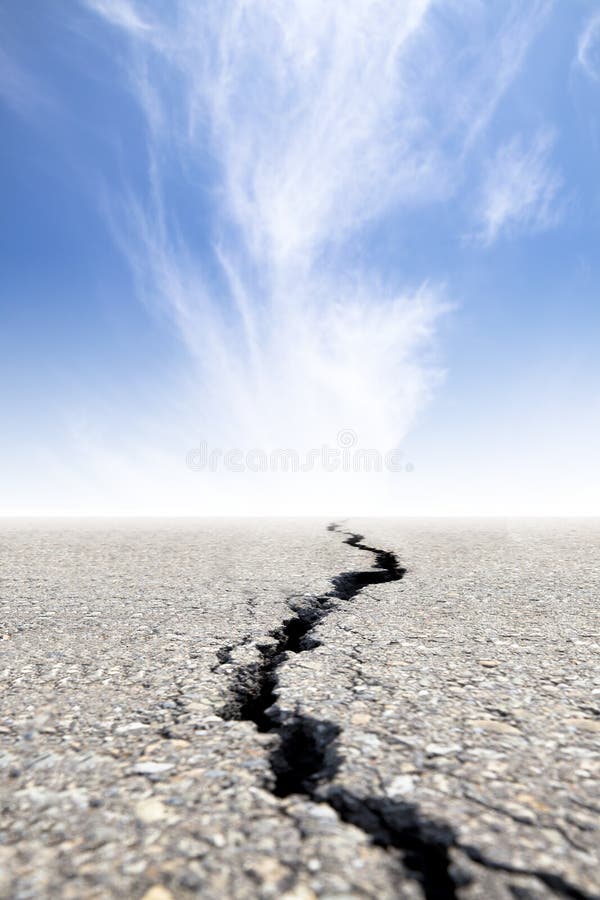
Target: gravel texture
(277, 709)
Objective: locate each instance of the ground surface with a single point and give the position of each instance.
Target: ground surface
(230, 710)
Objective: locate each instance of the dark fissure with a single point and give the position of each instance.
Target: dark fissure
(306, 758)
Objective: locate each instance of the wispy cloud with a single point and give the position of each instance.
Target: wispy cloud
(121, 13)
(314, 121)
(490, 64)
(321, 117)
(588, 47)
(520, 190)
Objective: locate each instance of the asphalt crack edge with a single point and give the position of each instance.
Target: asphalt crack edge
(306, 758)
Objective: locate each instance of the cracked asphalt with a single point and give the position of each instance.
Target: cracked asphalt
(434, 735)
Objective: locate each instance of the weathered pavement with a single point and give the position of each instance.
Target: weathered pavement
(227, 709)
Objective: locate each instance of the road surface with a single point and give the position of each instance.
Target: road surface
(292, 709)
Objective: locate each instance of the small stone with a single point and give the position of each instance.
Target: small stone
(584, 724)
(135, 868)
(442, 749)
(131, 727)
(488, 663)
(323, 811)
(370, 740)
(150, 810)
(152, 768)
(533, 802)
(493, 725)
(269, 870)
(401, 786)
(192, 848)
(360, 719)
(158, 892)
(299, 892)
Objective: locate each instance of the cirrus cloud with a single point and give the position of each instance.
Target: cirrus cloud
(520, 190)
(314, 121)
(588, 48)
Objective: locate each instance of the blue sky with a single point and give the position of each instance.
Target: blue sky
(255, 225)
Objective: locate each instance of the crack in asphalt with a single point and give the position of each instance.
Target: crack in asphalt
(306, 758)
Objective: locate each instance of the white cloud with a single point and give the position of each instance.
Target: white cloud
(322, 116)
(588, 48)
(496, 60)
(120, 13)
(319, 118)
(520, 189)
